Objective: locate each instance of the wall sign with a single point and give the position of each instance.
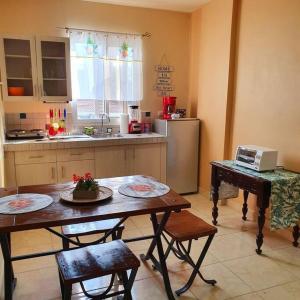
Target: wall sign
(163, 85)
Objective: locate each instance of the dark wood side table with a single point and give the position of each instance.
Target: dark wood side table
(249, 184)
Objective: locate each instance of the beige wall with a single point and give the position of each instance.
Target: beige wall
(195, 26)
(170, 36)
(248, 78)
(211, 33)
(267, 102)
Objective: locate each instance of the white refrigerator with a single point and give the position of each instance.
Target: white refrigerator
(183, 136)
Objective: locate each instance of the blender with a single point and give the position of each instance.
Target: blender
(134, 126)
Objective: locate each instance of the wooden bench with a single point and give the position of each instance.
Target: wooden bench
(80, 264)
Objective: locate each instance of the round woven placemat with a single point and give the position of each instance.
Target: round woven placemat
(144, 188)
(23, 203)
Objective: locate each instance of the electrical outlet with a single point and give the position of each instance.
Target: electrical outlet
(23, 116)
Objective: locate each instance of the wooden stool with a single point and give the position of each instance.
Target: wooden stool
(182, 227)
(80, 264)
(83, 229)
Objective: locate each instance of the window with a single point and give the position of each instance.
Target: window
(106, 73)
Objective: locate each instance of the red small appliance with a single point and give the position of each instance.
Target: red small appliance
(134, 126)
(169, 103)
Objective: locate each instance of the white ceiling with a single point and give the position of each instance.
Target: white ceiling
(176, 5)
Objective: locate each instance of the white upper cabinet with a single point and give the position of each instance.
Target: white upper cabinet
(18, 68)
(53, 61)
(35, 69)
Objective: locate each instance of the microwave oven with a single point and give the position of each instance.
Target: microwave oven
(256, 158)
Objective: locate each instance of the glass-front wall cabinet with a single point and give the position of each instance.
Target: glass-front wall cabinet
(36, 69)
(18, 71)
(54, 69)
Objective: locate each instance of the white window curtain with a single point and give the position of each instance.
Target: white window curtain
(105, 67)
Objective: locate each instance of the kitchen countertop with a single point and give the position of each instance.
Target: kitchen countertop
(83, 141)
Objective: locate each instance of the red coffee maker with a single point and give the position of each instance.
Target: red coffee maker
(168, 107)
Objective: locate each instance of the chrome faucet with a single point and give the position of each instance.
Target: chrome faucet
(102, 123)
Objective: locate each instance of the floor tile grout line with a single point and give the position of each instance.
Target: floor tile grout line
(237, 276)
(264, 288)
(255, 255)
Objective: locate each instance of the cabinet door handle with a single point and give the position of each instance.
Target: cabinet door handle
(36, 156)
(73, 154)
(53, 172)
(62, 171)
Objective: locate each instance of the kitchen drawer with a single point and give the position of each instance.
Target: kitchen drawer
(32, 157)
(75, 154)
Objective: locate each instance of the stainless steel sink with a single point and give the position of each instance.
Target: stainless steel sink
(106, 136)
(69, 137)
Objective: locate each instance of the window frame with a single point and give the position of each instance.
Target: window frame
(114, 120)
(106, 103)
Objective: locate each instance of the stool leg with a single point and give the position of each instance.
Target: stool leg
(67, 292)
(170, 245)
(65, 244)
(127, 293)
(62, 290)
(119, 233)
(113, 236)
(66, 289)
(128, 283)
(196, 268)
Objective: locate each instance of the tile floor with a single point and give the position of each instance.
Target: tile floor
(232, 261)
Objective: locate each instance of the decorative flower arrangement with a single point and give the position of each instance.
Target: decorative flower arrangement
(91, 46)
(124, 50)
(86, 187)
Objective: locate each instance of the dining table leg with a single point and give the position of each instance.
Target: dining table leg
(156, 242)
(9, 280)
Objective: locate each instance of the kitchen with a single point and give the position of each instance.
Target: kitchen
(179, 36)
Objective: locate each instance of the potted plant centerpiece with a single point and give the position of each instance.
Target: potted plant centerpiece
(86, 187)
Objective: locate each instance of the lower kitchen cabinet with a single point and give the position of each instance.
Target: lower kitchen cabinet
(66, 169)
(147, 160)
(112, 161)
(58, 166)
(33, 174)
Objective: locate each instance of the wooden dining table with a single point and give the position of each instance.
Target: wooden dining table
(62, 213)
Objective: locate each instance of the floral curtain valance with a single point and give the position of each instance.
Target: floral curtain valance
(106, 66)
